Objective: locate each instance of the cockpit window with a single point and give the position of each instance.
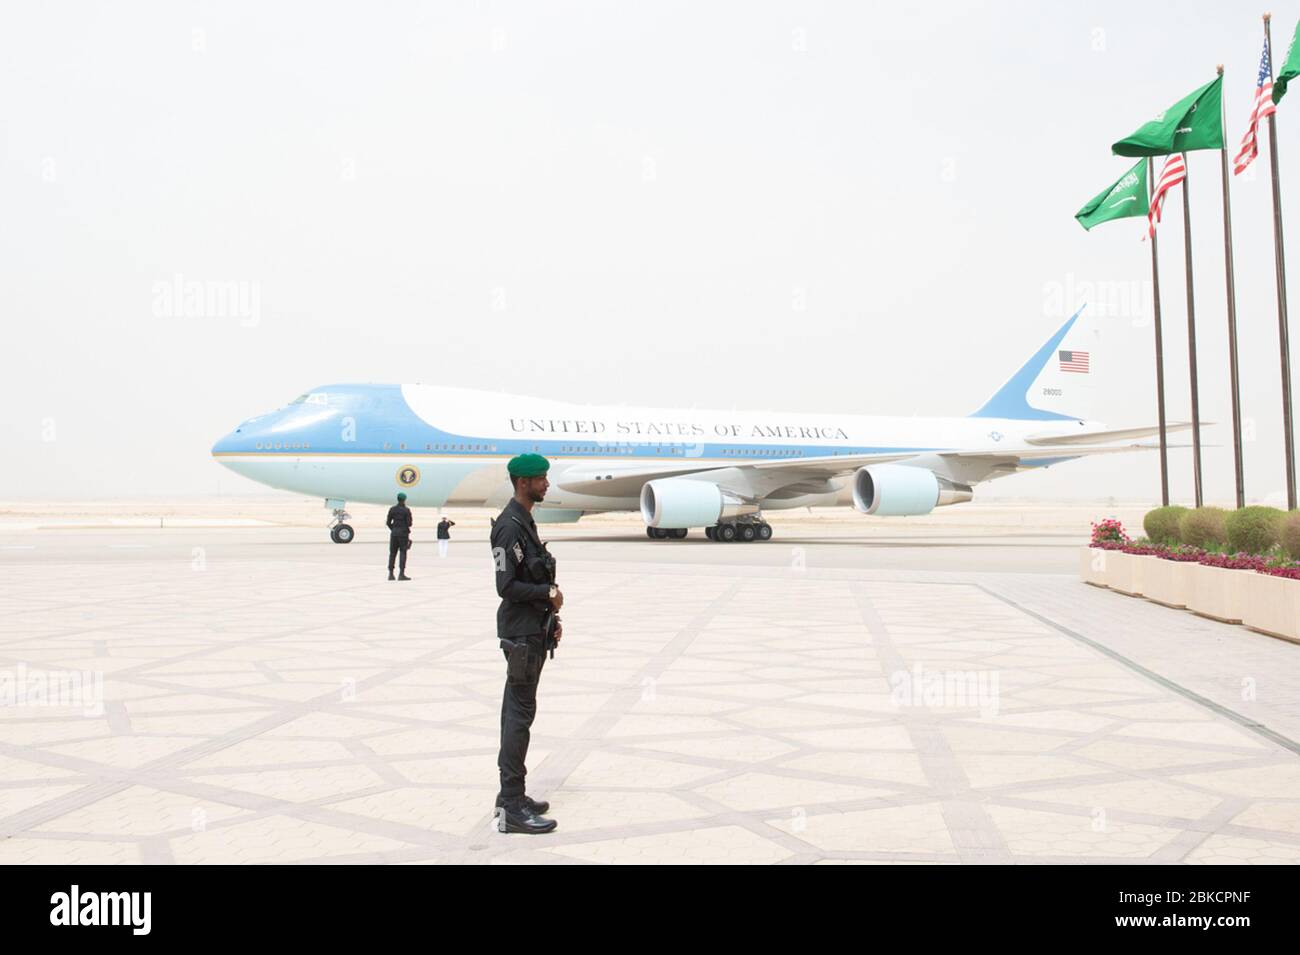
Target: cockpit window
(312, 398)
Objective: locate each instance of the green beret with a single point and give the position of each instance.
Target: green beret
(528, 465)
(401, 495)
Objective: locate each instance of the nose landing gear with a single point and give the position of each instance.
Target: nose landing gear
(340, 531)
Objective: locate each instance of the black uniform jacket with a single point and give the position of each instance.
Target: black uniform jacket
(524, 603)
(399, 520)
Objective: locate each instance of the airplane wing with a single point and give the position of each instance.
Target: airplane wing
(815, 475)
(1121, 434)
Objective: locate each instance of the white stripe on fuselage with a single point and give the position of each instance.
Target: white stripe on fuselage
(701, 438)
(502, 416)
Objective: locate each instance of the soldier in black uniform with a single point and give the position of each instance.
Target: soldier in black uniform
(527, 627)
(399, 536)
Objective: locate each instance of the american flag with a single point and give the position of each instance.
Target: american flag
(1074, 361)
(1172, 173)
(1261, 108)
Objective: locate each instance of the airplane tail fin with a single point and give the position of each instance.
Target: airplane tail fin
(1054, 384)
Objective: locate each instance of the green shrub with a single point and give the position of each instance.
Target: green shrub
(1203, 528)
(1290, 535)
(1161, 524)
(1253, 530)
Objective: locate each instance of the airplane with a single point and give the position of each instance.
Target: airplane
(681, 469)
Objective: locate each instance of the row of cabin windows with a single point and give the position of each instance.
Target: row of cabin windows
(305, 446)
(729, 452)
(568, 449)
(604, 452)
(447, 447)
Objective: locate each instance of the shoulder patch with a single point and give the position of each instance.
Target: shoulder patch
(519, 552)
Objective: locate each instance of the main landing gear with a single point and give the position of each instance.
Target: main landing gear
(757, 530)
(340, 531)
(745, 529)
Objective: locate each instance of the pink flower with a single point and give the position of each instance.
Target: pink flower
(1282, 570)
(1234, 561)
(1109, 530)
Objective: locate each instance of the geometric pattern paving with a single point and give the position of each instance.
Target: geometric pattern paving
(263, 711)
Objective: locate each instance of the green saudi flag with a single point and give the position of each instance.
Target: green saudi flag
(1290, 69)
(1127, 197)
(1194, 122)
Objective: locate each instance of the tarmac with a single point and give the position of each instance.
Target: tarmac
(216, 682)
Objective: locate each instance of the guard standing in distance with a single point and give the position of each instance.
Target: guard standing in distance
(399, 535)
(444, 535)
(527, 626)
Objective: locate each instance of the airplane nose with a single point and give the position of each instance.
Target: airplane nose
(280, 430)
(245, 437)
(294, 427)
(228, 444)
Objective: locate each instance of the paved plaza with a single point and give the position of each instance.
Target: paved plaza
(269, 697)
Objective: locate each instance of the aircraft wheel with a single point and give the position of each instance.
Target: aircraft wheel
(747, 532)
(725, 532)
(650, 533)
(342, 534)
(765, 532)
(680, 533)
(711, 532)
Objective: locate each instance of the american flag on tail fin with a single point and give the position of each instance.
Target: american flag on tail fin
(1074, 360)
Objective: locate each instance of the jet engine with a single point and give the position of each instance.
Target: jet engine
(895, 490)
(683, 502)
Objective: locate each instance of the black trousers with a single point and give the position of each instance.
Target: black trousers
(518, 707)
(397, 545)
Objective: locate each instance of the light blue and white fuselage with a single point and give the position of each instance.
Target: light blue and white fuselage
(680, 468)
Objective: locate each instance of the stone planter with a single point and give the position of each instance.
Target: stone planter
(1167, 582)
(1261, 602)
(1093, 562)
(1124, 572)
(1271, 605)
(1216, 592)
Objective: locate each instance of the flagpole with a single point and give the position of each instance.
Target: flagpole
(1160, 349)
(1279, 264)
(1191, 337)
(1230, 277)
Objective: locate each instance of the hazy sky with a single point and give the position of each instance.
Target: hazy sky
(805, 206)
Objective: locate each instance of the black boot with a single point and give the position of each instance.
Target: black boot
(535, 806)
(402, 576)
(516, 816)
(390, 576)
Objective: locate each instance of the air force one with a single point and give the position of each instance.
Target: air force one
(720, 470)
